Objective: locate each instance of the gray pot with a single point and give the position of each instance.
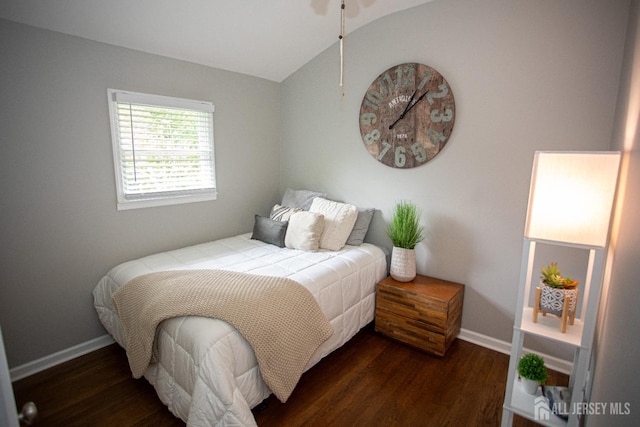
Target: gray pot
(552, 299)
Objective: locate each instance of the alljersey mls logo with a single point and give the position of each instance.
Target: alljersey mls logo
(542, 411)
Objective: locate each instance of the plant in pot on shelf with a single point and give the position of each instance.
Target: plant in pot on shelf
(532, 372)
(405, 232)
(556, 295)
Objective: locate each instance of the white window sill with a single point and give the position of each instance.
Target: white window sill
(165, 201)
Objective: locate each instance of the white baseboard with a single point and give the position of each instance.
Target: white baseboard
(46, 362)
(554, 363)
(485, 341)
(62, 356)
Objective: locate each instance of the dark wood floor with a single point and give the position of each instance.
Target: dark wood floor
(370, 381)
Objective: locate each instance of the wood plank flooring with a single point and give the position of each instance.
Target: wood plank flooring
(370, 381)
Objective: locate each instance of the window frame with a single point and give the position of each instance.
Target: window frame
(159, 198)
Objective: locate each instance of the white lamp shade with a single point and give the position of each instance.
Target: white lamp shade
(571, 197)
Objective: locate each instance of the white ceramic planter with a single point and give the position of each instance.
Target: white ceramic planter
(529, 386)
(403, 264)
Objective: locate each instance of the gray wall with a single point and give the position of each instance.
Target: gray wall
(526, 75)
(618, 345)
(59, 227)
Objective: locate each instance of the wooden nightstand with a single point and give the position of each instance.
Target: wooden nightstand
(424, 313)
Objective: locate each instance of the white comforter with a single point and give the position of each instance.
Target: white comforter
(204, 370)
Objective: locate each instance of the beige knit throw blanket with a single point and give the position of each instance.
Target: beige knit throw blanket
(277, 316)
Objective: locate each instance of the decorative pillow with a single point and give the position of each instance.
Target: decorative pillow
(282, 213)
(300, 198)
(269, 231)
(339, 219)
(304, 231)
(360, 228)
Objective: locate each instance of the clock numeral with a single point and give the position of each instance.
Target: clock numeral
(373, 99)
(437, 117)
(371, 105)
(410, 76)
(372, 137)
(405, 75)
(425, 79)
(418, 152)
(368, 118)
(400, 153)
(386, 83)
(385, 148)
(399, 73)
(444, 91)
(400, 158)
(435, 137)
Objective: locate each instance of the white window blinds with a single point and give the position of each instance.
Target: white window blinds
(163, 149)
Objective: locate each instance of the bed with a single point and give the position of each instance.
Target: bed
(202, 368)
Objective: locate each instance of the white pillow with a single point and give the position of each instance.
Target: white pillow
(304, 231)
(339, 219)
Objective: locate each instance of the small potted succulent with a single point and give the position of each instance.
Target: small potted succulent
(552, 277)
(405, 232)
(554, 290)
(532, 372)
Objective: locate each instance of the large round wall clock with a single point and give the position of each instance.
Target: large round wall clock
(407, 115)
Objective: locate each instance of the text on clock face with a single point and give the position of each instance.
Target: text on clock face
(399, 100)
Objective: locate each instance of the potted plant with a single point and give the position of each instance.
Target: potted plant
(405, 232)
(556, 295)
(532, 372)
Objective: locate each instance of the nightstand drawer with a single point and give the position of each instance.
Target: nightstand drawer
(417, 306)
(412, 332)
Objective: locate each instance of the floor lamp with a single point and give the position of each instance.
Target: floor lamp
(570, 202)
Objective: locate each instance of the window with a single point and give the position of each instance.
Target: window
(162, 149)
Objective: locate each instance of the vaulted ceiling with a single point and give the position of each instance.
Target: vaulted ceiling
(265, 38)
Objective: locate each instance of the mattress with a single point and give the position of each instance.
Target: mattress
(202, 368)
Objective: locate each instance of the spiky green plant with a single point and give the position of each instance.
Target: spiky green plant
(552, 277)
(405, 230)
(531, 366)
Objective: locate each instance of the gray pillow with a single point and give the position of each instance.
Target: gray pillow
(269, 231)
(300, 198)
(360, 228)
